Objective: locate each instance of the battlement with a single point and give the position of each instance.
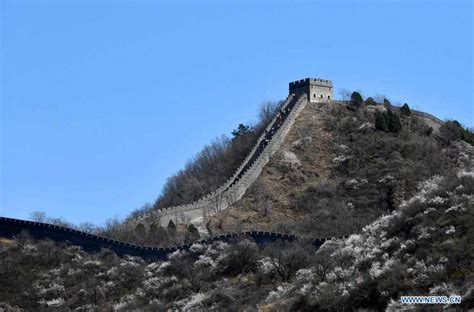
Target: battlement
(317, 90)
(9, 228)
(311, 81)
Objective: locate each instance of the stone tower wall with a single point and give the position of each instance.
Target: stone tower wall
(317, 90)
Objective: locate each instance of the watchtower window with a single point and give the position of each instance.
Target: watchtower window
(314, 95)
(329, 97)
(321, 96)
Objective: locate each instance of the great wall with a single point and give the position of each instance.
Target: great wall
(222, 198)
(236, 186)
(89, 242)
(233, 189)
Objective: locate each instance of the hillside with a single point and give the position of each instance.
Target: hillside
(335, 172)
(337, 167)
(400, 183)
(424, 247)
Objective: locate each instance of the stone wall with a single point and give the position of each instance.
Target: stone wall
(11, 227)
(245, 175)
(428, 119)
(320, 94)
(317, 90)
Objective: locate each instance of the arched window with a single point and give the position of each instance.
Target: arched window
(321, 96)
(329, 97)
(314, 95)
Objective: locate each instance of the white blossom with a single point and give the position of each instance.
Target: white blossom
(56, 302)
(193, 303)
(455, 208)
(450, 230)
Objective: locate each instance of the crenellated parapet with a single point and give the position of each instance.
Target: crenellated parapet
(316, 89)
(10, 227)
(310, 81)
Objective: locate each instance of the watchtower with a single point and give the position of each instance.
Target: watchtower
(317, 90)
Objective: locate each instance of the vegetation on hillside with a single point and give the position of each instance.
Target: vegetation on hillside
(372, 169)
(211, 167)
(403, 190)
(423, 247)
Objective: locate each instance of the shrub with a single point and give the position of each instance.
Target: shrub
(288, 257)
(171, 228)
(428, 131)
(192, 234)
(241, 258)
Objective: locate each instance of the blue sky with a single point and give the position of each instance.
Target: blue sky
(102, 101)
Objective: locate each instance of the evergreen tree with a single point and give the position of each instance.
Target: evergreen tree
(405, 110)
(393, 122)
(370, 101)
(356, 99)
(386, 102)
(241, 129)
(381, 122)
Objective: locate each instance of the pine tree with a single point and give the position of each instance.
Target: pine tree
(381, 122)
(393, 122)
(241, 129)
(405, 110)
(356, 99)
(370, 101)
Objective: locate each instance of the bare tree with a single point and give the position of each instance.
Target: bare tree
(38, 216)
(345, 94)
(379, 98)
(267, 111)
(87, 227)
(288, 257)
